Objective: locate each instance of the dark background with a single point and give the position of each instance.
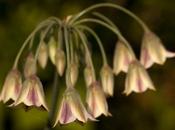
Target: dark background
(147, 111)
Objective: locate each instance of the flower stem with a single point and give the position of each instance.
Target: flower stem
(83, 39)
(42, 39)
(98, 42)
(144, 26)
(40, 26)
(53, 102)
(116, 31)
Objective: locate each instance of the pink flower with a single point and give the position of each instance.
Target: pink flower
(137, 79)
(72, 108)
(153, 50)
(123, 56)
(32, 93)
(96, 100)
(12, 86)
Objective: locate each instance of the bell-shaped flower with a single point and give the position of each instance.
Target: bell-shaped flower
(12, 86)
(43, 55)
(72, 108)
(123, 56)
(107, 79)
(96, 100)
(137, 79)
(52, 49)
(30, 67)
(153, 51)
(32, 93)
(60, 61)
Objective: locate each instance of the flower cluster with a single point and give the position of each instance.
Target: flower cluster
(65, 43)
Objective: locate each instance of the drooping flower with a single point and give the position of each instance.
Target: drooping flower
(72, 108)
(153, 51)
(52, 49)
(123, 56)
(30, 67)
(12, 86)
(60, 61)
(32, 93)
(43, 55)
(107, 79)
(72, 74)
(96, 100)
(137, 79)
(88, 75)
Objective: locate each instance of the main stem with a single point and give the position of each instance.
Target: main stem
(53, 102)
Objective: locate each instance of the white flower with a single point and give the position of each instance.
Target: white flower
(153, 50)
(60, 61)
(52, 45)
(137, 79)
(30, 67)
(12, 86)
(72, 108)
(32, 93)
(107, 79)
(96, 100)
(43, 55)
(123, 56)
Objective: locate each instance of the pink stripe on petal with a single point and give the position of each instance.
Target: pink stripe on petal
(93, 105)
(66, 114)
(140, 85)
(146, 57)
(32, 96)
(17, 89)
(126, 61)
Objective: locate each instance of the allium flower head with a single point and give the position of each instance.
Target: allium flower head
(30, 67)
(60, 61)
(12, 86)
(123, 56)
(96, 100)
(32, 93)
(72, 108)
(43, 55)
(153, 50)
(107, 79)
(137, 79)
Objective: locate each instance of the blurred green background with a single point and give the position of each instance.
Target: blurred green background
(147, 111)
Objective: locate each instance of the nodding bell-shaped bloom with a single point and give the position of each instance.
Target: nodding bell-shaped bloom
(153, 50)
(96, 100)
(43, 55)
(123, 56)
(72, 74)
(72, 108)
(30, 66)
(88, 75)
(60, 61)
(12, 86)
(107, 79)
(52, 49)
(32, 93)
(137, 79)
